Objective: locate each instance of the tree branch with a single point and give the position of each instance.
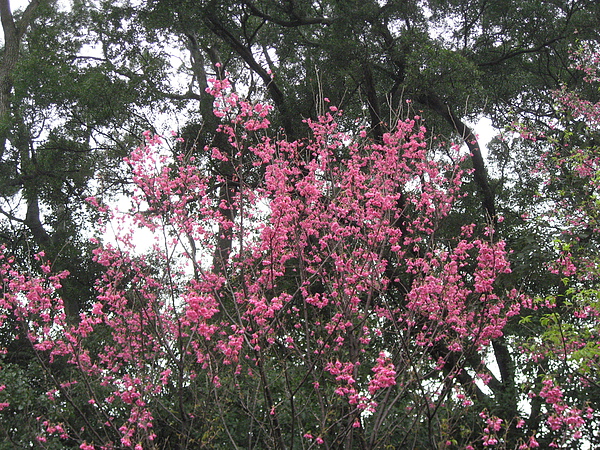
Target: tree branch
(480, 173)
(296, 22)
(218, 28)
(522, 51)
(372, 103)
(33, 222)
(13, 34)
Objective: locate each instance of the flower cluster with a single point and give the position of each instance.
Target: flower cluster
(303, 272)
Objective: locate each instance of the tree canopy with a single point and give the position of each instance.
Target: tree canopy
(270, 223)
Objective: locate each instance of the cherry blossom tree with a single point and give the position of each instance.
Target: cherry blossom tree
(321, 303)
(566, 351)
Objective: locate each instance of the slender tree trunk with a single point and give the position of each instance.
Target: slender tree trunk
(377, 128)
(13, 37)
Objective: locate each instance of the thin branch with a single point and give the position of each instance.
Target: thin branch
(296, 22)
(519, 52)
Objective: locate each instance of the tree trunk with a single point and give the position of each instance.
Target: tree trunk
(13, 36)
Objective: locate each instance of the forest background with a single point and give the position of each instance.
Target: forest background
(331, 262)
